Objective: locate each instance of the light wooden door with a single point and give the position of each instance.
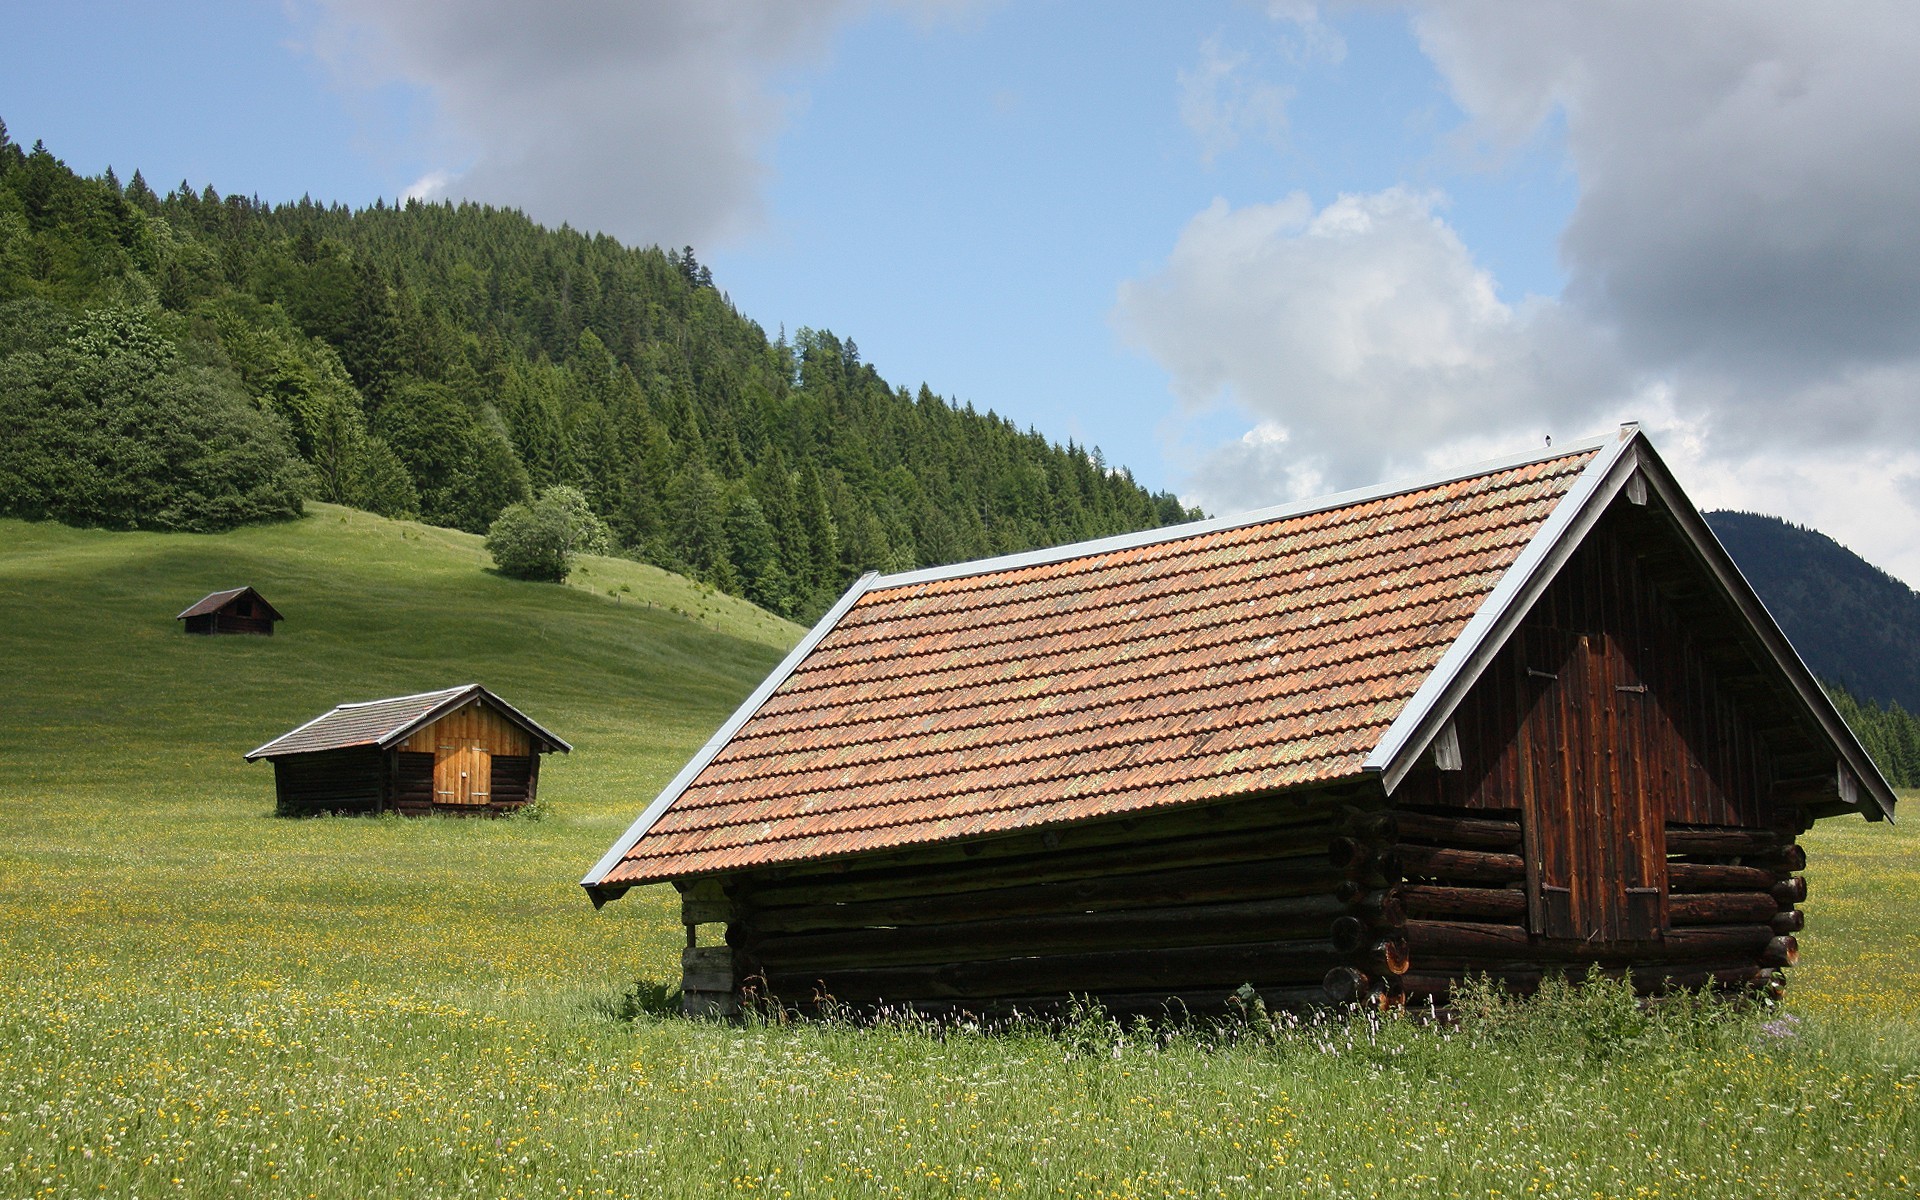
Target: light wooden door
(462, 772)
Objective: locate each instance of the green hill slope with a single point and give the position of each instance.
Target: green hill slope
(126, 808)
(629, 663)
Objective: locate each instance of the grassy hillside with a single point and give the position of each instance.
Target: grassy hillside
(121, 742)
(198, 998)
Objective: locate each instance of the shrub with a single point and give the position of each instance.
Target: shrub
(109, 427)
(540, 540)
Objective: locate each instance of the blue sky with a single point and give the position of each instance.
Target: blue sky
(1252, 251)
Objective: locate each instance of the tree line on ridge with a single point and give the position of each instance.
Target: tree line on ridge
(192, 361)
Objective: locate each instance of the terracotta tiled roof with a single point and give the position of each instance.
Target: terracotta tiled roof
(384, 722)
(1191, 667)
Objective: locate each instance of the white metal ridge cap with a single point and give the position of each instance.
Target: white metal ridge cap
(438, 692)
(724, 734)
(1173, 533)
(1396, 743)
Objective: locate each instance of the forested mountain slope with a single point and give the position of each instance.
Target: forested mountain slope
(445, 361)
(1854, 624)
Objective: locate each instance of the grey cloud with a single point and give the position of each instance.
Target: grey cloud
(1749, 169)
(1743, 265)
(646, 120)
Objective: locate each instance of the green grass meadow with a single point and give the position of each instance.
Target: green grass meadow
(200, 999)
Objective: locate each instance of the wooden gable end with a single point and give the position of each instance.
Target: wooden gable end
(1620, 724)
(1606, 683)
(472, 757)
(472, 722)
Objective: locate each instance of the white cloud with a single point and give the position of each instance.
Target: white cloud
(647, 119)
(1220, 104)
(1363, 340)
(1743, 266)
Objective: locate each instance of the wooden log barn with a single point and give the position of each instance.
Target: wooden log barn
(1523, 719)
(236, 610)
(461, 750)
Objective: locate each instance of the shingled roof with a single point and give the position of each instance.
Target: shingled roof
(1281, 649)
(382, 723)
(215, 601)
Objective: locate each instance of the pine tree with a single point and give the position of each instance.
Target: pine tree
(756, 555)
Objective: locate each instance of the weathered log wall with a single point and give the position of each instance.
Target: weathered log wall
(1149, 914)
(1309, 899)
(226, 622)
(350, 780)
(1435, 896)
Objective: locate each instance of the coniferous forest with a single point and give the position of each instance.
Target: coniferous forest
(183, 360)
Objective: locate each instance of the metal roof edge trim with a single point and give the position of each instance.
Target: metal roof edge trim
(1460, 667)
(1733, 582)
(724, 734)
(1173, 533)
(229, 593)
(459, 697)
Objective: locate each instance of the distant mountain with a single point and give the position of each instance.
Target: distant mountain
(1854, 624)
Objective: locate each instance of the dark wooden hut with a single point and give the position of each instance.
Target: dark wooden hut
(236, 610)
(461, 750)
(1524, 719)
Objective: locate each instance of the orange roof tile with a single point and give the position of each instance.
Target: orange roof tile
(1177, 667)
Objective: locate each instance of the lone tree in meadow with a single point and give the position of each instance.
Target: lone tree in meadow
(540, 539)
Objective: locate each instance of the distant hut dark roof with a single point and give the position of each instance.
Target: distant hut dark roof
(382, 723)
(215, 601)
(1288, 648)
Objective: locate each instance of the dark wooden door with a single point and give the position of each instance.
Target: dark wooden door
(1595, 835)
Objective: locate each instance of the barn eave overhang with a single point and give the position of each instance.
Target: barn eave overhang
(679, 783)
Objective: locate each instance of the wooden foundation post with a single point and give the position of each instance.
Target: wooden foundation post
(708, 987)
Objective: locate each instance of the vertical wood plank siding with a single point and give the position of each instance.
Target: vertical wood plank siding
(505, 782)
(1624, 747)
(475, 722)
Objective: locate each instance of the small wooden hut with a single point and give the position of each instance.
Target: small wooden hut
(462, 750)
(236, 610)
(1527, 718)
